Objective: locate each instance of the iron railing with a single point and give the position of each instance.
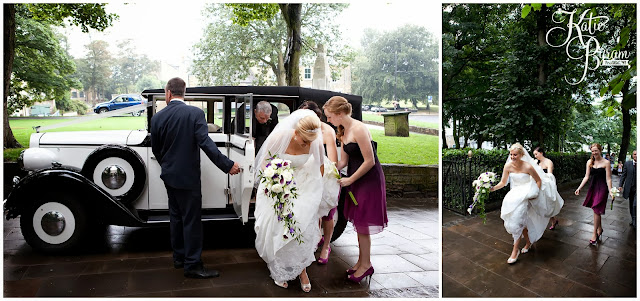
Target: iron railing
(457, 176)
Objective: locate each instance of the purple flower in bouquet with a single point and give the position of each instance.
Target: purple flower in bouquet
(277, 177)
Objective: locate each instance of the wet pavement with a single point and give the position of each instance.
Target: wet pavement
(136, 262)
(561, 263)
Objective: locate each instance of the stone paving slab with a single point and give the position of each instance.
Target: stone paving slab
(137, 262)
(561, 264)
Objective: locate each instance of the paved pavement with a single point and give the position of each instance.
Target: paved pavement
(136, 262)
(561, 264)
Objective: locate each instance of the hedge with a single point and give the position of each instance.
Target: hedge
(567, 167)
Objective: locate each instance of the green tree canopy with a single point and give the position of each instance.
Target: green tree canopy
(85, 15)
(94, 70)
(128, 68)
(503, 82)
(42, 69)
(256, 36)
(402, 63)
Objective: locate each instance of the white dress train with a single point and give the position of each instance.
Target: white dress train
(285, 257)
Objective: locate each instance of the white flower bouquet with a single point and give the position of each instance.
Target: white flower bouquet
(614, 193)
(280, 186)
(482, 185)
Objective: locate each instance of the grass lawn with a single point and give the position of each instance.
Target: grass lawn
(417, 149)
(379, 118)
(23, 128)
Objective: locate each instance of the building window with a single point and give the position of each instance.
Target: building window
(74, 94)
(307, 73)
(81, 94)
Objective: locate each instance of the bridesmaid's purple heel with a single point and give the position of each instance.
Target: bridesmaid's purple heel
(324, 260)
(368, 272)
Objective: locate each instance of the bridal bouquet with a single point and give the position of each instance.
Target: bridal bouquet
(482, 186)
(277, 178)
(337, 175)
(614, 193)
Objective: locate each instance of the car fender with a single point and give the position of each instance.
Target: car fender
(62, 180)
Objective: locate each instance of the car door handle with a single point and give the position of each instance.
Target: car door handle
(153, 158)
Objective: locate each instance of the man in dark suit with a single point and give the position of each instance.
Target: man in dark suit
(265, 119)
(628, 185)
(178, 132)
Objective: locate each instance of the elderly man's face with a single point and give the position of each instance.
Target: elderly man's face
(262, 117)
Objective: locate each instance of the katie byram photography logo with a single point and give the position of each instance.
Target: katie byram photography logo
(580, 33)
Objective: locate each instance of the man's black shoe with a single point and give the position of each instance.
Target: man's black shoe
(178, 264)
(200, 272)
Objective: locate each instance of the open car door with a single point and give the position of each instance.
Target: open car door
(241, 150)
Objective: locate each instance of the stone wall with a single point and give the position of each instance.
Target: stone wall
(411, 180)
(414, 129)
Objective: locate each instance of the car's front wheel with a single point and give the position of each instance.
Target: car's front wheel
(54, 225)
(103, 110)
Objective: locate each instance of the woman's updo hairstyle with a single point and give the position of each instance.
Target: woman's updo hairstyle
(517, 146)
(338, 105)
(540, 149)
(311, 105)
(308, 127)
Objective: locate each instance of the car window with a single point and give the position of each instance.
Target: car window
(211, 108)
(118, 99)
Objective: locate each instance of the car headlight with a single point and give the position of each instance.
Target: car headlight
(38, 158)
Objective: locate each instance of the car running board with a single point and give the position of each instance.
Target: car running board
(205, 217)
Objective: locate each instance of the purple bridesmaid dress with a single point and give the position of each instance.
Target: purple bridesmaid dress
(370, 215)
(598, 191)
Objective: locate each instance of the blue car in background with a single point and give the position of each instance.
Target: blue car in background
(119, 102)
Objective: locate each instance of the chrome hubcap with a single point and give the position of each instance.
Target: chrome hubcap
(53, 223)
(113, 177)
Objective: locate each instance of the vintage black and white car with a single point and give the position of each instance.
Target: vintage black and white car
(78, 180)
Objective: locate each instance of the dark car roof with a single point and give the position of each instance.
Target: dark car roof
(318, 96)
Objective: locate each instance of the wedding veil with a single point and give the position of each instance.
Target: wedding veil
(278, 141)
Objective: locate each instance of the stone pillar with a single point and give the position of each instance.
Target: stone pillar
(396, 124)
(321, 72)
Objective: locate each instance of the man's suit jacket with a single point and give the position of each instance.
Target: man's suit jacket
(178, 132)
(261, 131)
(628, 177)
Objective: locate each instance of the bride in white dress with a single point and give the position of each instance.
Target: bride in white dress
(530, 203)
(296, 138)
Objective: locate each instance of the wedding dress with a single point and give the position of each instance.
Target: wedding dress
(527, 206)
(286, 258)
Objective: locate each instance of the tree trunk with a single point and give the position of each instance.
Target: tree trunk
(9, 51)
(480, 140)
(292, 15)
(456, 135)
(541, 25)
(626, 127)
(281, 74)
(444, 137)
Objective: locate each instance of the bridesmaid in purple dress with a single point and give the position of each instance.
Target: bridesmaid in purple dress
(364, 179)
(599, 190)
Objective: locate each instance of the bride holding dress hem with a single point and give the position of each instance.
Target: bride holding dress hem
(529, 204)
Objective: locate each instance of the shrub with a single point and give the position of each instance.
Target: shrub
(459, 171)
